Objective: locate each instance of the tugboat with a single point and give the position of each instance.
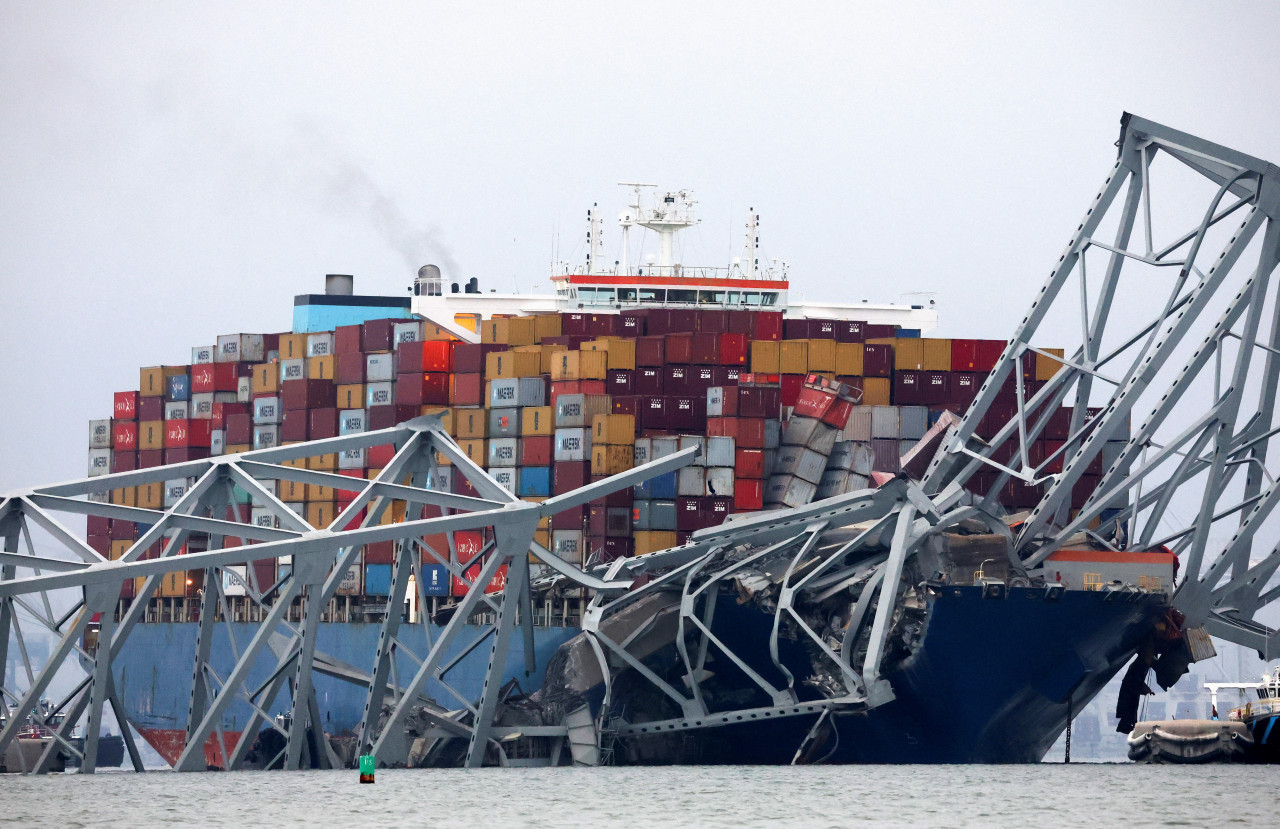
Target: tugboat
(1259, 716)
(1248, 734)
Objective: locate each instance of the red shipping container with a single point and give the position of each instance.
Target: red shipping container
(425, 356)
(186, 453)
(768, 325)
(380, 552)
(226, 376)
(569, 475)
(378, 457)
(751, 432)
(468, 358)
(124, 435)
(294, 426)
(679, 349)
(723, 427)
(838, 414)
(877, 360)
(705, 349)
(422, 389)
(988, 353)
(1059, 425)
(649, 380)
(377, 335)
(239, 429)
(183, 433)
(125, 405)
(348, 339)
(748, 463)
(748, 495)
(849, 331)
(536, 450)
(569, 519)
(811, 402)
(620, 381)
(466, 389)
(150, 408)
(729, 402)
(348, 369)
(676, 380)
(322, 423)
(734, 349)
(384, 417)
(148, 458)
(203, 378)
(791, 386)
(964, 355)
(307, 394)
(123, 461)
(496, 584)
(713, 321)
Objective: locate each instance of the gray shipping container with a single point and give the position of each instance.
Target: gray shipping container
(567, 545)
(832, 483)
(517, 391)
(772, 434)
(174, 490)
(319, 344)
(244, 390)
(351, 459)
(643, 451)
(379, 368)
(689, 442)
(864, 460)
(406, 332)
(905, 446)
(236, 348)
(217, 442)
(640, 514)
(202, 354)
(715, 401)
(823, 439)
(802, 463)
(99, 462)
(720, 451)
(503, 452)
(691, 481)
(788, 491)
(504, 423)
(352, 421)
(99, 434)
(266, 437)
(573, 445)
(841, 456)
(178, 410)
(378, 394)
(720, 481)
(885, 422)
(663, 447)
(798, 430)
(578, 409)
(913, 422)
(202, 406)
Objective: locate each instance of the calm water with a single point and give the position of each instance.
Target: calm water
(1055, 796)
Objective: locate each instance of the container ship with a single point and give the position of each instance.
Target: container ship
(789, 403)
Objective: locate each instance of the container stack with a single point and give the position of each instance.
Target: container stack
(551, 402)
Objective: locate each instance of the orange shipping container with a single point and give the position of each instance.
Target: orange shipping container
(315, 492)
(118, 549)
(1046, 367)
(764, 357)
(494, 331)
(151, 434)
(326, 463)
(908, 354)
(522, 331)
(151, 382)
(621, 353)
(151, 496)
(505, 364)
(547, 325)
(471, 424)
(476, 450)
(320, 513)
(650, 541)
(293, 346)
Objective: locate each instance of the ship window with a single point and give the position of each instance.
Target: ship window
(596, 296)
(735, 297)
(711, 297)
(682, 295)
(653, 295)
(626, 294)
(751, 298)
(1092, 581)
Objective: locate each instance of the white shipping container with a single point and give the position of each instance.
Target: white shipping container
(859, 425)
(506, 477)
(841, 456)
(720, 481)
(913, 422)
(234, 579)
(721, 451)
(352, 421)
(378, 394)
(691, 441)
(244, 389)
(202, 405)
(202, 355)
(235, 348)
(691, 481)
(227, 396)
(351, 459)
(177, 410)
(406, 332)
(266, 437)
(320, 344)
(293, 369)
(349, 585)
(664, 447)
(217, 442)
(266, 411)
(503, 452)
(789, 491)
(567, 545)
(174, 490)
(802, 463)
(832, 483)
(573, 445)
(379, 368)
(263, 517)
(99, 434)
(885, 422)
(715, 401)
(99, 462)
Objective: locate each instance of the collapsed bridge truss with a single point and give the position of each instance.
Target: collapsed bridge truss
(1173, 398)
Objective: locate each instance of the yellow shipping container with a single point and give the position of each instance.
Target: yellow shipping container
(236, 448)
(579, 365)
(476, 450)
(501, 365)
(315, 492)
(293, 346)
(118, 549)
(542, 537)
(445, 412)
(321, 368)
(651, 541)
(936, 354)
(151, 496)
(793, 357)
(822, 355)
(351, 396)
(173, 585)
(908, 354)
(128, 496)
(1046, 367)
(621, 353)
(537, 420)
(324, 463)
(266, 378)
(764, 357)
(431, 331)
(522, 331)
(613, 429)
(320, 513)
(612, 459)
(471, 424)
(151, 434)
(292, 491)
(875, 391)
(547, 325)
(849, 359)
(151, 381)
(494, 331)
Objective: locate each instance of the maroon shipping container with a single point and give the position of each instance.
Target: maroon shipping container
(596, 523)
(570, 475)
(293, 425)
(935, 388)
(575, 324)
(424, 356)
(97, 525)
(742, 322)
(877, 360)
(348, 339)
(122, 461)
(676, 380)
(430, 388)
(307, 394)
(734, 349)
(322, 423)
(791, 386)
(768, 325)
(620, 381)
(706, 349)
(377, 335)
(122, 530)
(627, 404)
(384, 417)
(468, 358)
(573, 518)
(699, 379)
(964, 388)
(149, 458)
(349, 368)
(650, 380)
(1059, 425)
(876, 332)
(460, 484)
(380, 552)
(466, 389)
(150, 408)
(631, 324)
(795, 329)
(681, 321)
(536, 450)
(616, 548)
(679, 349)
(182, 454)
(651, 413)
(997, 415)
(716, 510)
(101, 544)
(759, 401)
(1052, 447)
(687, 412)
(605, 325)
(689, 516)
(988, 354)
(713, 321)
(822, 329)
(239, 429)
(221, 411)
(621, 498)
(849, 331)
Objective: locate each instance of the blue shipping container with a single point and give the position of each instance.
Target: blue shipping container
(435, 580)
(178, 387)
(535, 482)
(662, 487)
(377, 579)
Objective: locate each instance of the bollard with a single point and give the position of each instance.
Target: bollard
(367, 767)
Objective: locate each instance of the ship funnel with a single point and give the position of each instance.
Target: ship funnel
(428, 282)
(339, 284)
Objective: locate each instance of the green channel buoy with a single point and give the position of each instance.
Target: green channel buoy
(367, 767)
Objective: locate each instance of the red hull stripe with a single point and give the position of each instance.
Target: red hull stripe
(669, 281)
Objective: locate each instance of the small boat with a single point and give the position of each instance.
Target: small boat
(1258, 715)
(1248, 734)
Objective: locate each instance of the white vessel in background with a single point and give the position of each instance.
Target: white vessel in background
(658, 280)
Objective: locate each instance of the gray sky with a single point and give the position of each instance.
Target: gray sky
(177, 171)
